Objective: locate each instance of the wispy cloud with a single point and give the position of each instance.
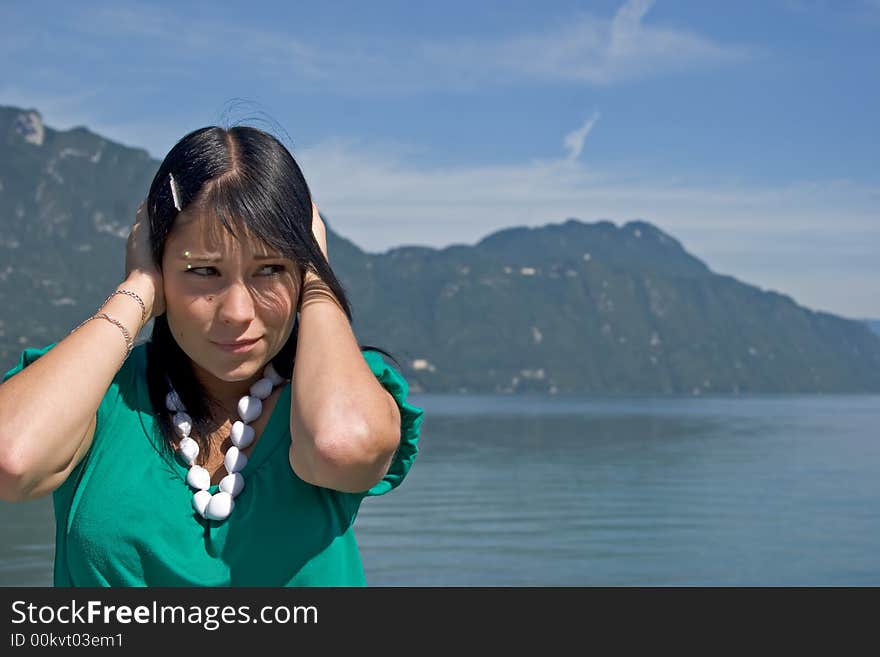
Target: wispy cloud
(582, 48)
(384, 201)
(586, 48)
(257, 51)
(574, 141)
(801, 237)
(816, 240)
(775, 236)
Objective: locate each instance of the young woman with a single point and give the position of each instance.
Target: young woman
(235, 447)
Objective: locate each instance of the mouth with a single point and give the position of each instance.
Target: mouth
(239, 345)
(237, 342)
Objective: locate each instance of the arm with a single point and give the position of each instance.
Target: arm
(47, 411)
(344, 425)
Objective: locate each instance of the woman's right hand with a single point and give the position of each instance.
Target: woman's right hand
(139, 259)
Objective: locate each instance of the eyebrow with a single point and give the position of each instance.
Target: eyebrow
(215, 258)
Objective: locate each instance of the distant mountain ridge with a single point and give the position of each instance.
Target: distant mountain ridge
(873, 324)
(572, 307)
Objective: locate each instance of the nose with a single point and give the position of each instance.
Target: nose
(236, 305)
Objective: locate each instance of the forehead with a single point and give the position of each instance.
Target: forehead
(205, 234)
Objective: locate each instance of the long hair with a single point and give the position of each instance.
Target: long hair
(238, 175)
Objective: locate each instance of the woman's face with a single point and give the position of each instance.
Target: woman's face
(219, 290)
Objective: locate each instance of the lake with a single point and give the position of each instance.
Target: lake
(530, 490)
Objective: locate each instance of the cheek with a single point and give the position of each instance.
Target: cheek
(180, 323)
(187, 313)
(184, 291)
(173, 287)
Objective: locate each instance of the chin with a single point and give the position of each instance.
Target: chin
(240, 372)
(243, 371)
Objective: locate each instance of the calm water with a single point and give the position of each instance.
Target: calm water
(529, 490)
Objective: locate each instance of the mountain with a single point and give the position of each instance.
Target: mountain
(66, 199)
(573, 307)
(873, 324)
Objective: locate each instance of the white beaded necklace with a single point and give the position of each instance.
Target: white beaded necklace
(219, 505)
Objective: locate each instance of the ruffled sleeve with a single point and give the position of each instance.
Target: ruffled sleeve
(410, 423)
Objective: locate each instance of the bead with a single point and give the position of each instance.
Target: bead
(232, 484)
(189, 450)
(200, 501)
(220, 506)
(235, 460)
(172, 401)
(249, 408)
(241, 434)
(182, 424)
(262, 388)
(270, 373)
(198, 477)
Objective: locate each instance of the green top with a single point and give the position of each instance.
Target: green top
(124, 515)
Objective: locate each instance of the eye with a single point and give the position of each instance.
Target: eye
(279, 269)
(195, 270)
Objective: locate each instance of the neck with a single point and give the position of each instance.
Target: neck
(227, 393)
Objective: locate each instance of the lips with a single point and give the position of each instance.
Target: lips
(237, 343)
(239, 347)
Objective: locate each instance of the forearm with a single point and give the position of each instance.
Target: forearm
(46, 408)
(343, 424)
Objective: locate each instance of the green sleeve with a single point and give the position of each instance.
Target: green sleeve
(410, 423)
(27, 357)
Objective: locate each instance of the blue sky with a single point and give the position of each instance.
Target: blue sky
(746, 130)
